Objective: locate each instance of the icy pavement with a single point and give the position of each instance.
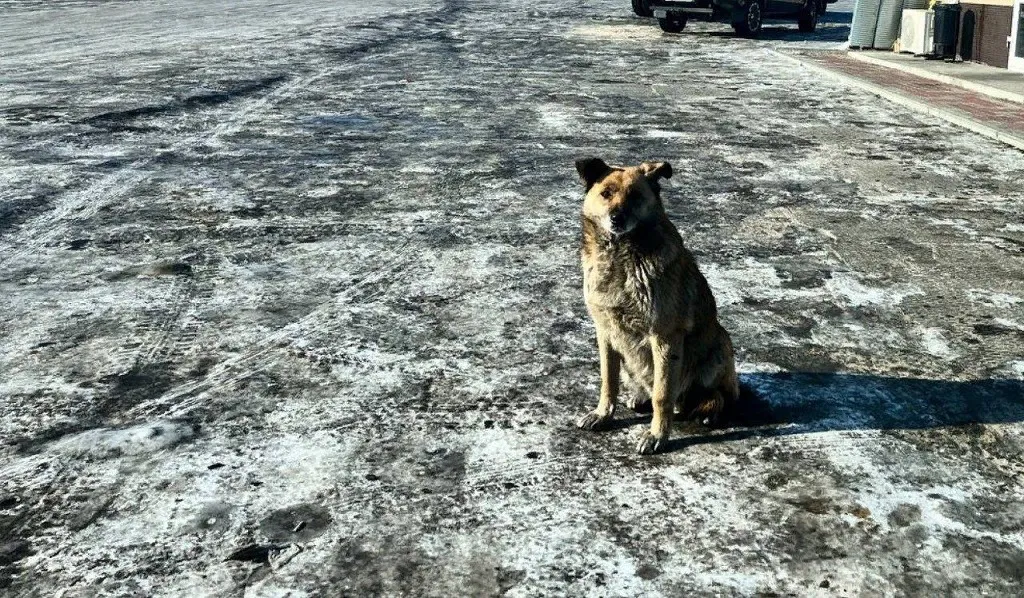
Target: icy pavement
(300, 277)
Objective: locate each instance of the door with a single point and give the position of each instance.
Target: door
(1016, 62)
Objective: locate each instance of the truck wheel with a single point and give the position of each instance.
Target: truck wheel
(749, 24)
(808, 20)
(672, 24)
(642, 8)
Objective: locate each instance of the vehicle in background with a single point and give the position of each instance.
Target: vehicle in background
(746, 16)
(642, 8)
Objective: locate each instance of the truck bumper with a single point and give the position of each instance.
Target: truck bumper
(693, 10)
(697, 10)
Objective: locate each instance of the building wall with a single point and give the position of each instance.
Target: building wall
(983, 32)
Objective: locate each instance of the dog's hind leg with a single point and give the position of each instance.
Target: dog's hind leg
(709, 408)
(687, 402)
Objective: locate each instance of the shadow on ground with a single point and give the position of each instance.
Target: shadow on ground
(832, 27)
(844, 18)
(793, 403)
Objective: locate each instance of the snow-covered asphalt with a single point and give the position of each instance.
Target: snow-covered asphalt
(302, 276)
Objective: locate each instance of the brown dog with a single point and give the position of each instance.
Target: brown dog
(653, 310)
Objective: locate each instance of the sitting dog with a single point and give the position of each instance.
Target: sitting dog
(654, 312)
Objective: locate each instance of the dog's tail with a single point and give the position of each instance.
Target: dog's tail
(751, 410)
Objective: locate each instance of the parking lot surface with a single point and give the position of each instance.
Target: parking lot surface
(304, 277)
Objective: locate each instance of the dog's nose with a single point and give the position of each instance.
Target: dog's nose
(618, 219)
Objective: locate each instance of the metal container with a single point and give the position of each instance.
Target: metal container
(887, 31)
(865, 21)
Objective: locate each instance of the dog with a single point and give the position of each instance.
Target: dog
(654, 312)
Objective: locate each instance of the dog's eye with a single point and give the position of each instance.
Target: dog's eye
(606, 193)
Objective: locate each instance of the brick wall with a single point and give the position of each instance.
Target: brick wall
(983, 33)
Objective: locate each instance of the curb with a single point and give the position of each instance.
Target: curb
(908, 102)
(981, 88)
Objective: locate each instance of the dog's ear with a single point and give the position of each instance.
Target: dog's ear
(591, 170)
(656, 170)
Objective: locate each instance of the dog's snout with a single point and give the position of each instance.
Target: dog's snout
(618, 219)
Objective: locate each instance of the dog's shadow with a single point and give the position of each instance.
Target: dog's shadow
(781, 404)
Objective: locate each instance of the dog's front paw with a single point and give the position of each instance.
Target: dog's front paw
(593, 421)
(649, 443)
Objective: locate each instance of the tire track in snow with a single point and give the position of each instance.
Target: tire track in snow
(50, 226)
(226, 373)
(168, 333)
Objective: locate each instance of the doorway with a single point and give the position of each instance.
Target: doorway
(1016, 62)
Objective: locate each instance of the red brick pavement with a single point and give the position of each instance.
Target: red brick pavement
(999, 114)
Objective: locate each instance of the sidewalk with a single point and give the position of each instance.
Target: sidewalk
(1000, 118)
(989, 80)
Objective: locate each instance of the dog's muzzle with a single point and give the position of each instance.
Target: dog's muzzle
(617, 223)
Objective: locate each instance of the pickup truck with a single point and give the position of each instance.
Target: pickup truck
(746, 16)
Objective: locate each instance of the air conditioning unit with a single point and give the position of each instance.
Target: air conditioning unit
(917, 32)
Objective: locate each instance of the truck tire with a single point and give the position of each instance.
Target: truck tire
(642, 8)
(749, 23)
(672, 23)
(808, 20)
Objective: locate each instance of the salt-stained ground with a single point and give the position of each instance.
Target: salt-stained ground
(303, 274)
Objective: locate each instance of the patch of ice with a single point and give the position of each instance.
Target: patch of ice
(958, 225)
(771, 224)
(750, 279)
(556, 118)
(758, 368)
(934, 342)
(993, 298)
(846, 287)
(1009, 324)
(289, 592)
(137, 440)
(741, 584)
(490, 446)
(418, 169)
(854, 337)
(616, 32)
(322, 192)
(1012, 368)
(32, 382)
(662, 134)
(761, 281)
(1001, 243)
(882, 491)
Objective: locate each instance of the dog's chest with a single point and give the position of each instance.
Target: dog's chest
(621, 289)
